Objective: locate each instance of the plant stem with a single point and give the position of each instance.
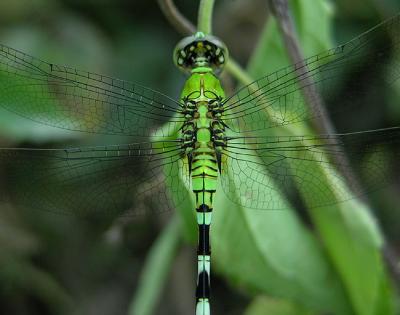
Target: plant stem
(185, 27)
(204, 23)
(238, 72)
(156, 270)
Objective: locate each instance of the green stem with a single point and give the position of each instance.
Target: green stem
(156, 270)
(238, 72)
(204, 23)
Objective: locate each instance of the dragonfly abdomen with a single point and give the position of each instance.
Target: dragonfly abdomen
(204, 172)
(204, 183)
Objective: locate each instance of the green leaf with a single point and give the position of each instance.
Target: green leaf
(273, 253)
(156, 269)
(348, 232)
(180, 193)
(314, 20)
(84, 43)
(265, 305)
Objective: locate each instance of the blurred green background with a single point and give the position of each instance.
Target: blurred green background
(53, 264)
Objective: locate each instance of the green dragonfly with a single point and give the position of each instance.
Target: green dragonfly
(203, 142)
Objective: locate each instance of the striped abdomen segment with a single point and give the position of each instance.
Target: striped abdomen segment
(204, 182)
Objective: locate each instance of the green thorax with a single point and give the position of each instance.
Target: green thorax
(202, 95)
(202, 85)
(203, 133)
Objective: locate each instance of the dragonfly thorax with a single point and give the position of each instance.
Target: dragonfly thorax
(199, 52)
(203, 133)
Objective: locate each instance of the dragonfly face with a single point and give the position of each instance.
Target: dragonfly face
(199, 51)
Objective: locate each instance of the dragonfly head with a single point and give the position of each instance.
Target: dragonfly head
(199, 51)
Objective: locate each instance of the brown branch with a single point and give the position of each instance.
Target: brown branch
(280, 9)
(316, 106)
(175, 18)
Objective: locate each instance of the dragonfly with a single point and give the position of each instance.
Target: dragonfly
(203, 143)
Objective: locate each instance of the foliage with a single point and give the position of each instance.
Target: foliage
(276, 262)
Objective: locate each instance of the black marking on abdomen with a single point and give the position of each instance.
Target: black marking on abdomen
(203, 208)
(203, 286)
(204, 191)
(204, 240)
(207, 166)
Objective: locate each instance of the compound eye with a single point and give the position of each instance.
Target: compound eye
(180, 62)
(181, 55)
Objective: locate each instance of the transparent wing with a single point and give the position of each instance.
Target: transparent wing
(255, 169)
(280, 98)
(115, 180)
(81, 101)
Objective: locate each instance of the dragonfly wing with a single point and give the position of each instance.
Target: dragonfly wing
(280, 98)
(81, 101)
(115, 180)
(325, 169)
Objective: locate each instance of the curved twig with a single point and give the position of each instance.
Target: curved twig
(183, 26)
(175, 18)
